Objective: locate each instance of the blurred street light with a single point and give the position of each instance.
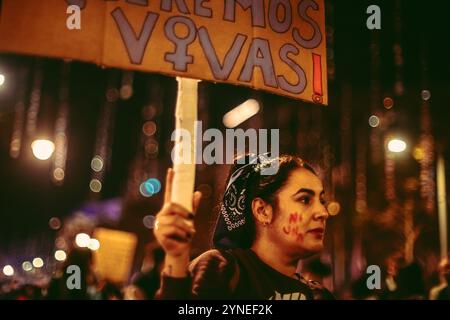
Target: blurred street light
(396, 145)
(8, 271)
(374, 121)
(42, 149)
(27, 266)
(38, 262)
(241, 113)
(94, 244)
(82, 240)
(60, 255)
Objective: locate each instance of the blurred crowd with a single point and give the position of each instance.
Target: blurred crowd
(399, 281)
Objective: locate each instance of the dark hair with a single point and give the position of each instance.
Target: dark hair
(265, 187)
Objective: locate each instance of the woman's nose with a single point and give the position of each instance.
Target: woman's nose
(321, 212)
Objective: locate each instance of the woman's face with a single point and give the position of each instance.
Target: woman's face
(300, 217)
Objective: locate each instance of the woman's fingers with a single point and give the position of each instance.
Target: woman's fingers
(175, 209)
(175, 233)
(169, 182)
(185, 224)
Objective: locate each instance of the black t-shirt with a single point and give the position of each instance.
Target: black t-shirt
(259, 281)
(238, 274)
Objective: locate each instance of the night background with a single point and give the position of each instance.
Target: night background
(399, 74)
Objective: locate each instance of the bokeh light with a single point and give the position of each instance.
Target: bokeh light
(149, 128)
(58, 174)
(82, 240)
(149, 221)
(333, 208)
(8, 270)
(374, 121)
(60, 255)
(153, 185)
(241, 113)
(27, 266)
(388, 103)
(396, 145)
(144, 191)
(60, 243)
(126, 92)
(42, 149)
(95, 185)
(54, 223)
(93, 244)
(38, 262)
(2, 79)
(15, 147)
(425, 95)
(150, 187)
(97, 164)
(418, 154)
(151, 147)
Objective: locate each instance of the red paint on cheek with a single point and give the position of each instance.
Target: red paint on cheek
(293, 218)
(293, 226)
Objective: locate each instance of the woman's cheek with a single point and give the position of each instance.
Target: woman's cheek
(293, 226)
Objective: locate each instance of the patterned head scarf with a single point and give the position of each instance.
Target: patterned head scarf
(232, 218)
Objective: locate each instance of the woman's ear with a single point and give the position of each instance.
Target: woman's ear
(262, 211)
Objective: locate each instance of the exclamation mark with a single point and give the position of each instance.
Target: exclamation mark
(317, 79)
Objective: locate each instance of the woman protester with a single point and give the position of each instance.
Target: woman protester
(266, 224)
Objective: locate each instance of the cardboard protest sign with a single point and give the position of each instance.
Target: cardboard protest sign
(274, 45)
(114, 259)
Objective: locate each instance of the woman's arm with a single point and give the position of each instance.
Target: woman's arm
(210, 276)
(174, 230)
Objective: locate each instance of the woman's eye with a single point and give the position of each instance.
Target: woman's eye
(305, 200)
(323, 201)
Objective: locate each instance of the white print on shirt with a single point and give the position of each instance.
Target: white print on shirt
(288, 296)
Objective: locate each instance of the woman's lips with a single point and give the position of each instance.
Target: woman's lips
(317, 231)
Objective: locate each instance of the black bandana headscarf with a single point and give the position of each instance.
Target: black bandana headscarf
(233, 219)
